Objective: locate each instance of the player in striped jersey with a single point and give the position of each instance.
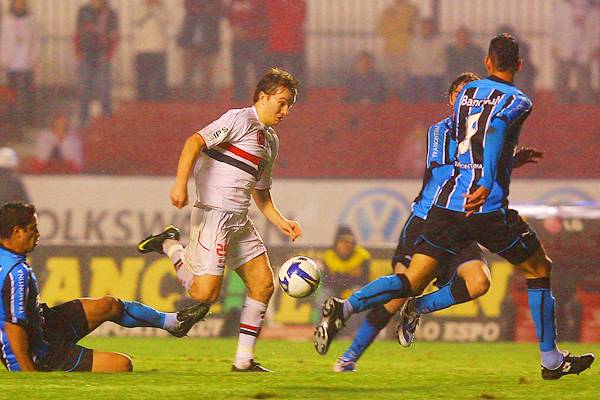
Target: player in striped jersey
(35, 337)
(463, 278)
(239, 152)
(488, 117)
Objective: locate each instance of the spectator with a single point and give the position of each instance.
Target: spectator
(526, 78)
(395, 26)
(95, 44)
(574, 38)
(365, 84)
(150, 42)
(427, 63)
(19, 50)
(249, 44)
(11, 184)
(463, 55)
(200, 39)
(346, 264)
(285, 20)
(58, 149)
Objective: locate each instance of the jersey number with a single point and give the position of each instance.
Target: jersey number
(472, 126)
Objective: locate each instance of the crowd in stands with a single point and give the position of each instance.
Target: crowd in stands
(415, 64)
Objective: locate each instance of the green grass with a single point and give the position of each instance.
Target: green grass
(168, 368)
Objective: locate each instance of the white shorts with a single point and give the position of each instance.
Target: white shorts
(218, 238)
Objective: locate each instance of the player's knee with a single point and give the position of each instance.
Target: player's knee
(262, 290)
(478, 285)
(111, 307)
(123, 363)
(202, 294)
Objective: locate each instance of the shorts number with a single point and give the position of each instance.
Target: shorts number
(222, 250)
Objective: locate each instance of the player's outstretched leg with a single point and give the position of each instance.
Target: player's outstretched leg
(376, 320)
(135, 314)
(154, 243)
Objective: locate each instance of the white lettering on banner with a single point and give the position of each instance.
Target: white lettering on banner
(455, 331)
(100, 210)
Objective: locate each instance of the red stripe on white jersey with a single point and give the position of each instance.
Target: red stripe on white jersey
(240, 153)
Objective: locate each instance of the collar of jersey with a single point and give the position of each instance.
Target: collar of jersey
(12, 252)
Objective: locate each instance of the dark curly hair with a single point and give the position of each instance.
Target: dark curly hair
(504, 52)
(15, 214)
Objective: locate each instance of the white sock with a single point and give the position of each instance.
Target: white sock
(171, 321)
(174, 250)
(552, 359)
(348, 310)
(251, 320)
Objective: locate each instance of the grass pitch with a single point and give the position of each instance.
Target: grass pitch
(169, 368)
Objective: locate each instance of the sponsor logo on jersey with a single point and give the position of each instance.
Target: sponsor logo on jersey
(458, 164)
(21, 285)
(471, 102)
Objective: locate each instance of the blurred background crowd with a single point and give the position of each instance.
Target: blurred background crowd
(69, 66)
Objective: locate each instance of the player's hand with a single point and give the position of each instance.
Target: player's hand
(476, 200)
(179, 196)
(526, 155)
(291, 229)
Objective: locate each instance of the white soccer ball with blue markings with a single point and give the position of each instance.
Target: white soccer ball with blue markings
(299, 276)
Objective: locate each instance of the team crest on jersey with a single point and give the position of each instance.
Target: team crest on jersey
(260, 137)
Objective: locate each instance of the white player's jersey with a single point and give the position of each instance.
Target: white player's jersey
(239, 157)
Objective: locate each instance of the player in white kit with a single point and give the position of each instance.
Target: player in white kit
(239, 151)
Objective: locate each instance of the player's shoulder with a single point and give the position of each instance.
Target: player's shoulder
(445, 124)
(442, 126)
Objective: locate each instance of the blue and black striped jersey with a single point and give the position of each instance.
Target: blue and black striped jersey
(19, 304)
(488, 116)
(440, 152)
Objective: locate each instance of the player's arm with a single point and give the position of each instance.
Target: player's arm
(191, 149)
(264, 202)
(19, 343)
(436, 142)
(15, 291)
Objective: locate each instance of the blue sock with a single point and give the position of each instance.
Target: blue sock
(541, 305)
(453, 293)
(380, 291)
(434, 301)
(366, 333)
(136, 314)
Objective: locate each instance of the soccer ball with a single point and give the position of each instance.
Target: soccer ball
(299, 276)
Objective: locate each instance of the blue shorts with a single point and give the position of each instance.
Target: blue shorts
(411, 238)
(65, 325)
